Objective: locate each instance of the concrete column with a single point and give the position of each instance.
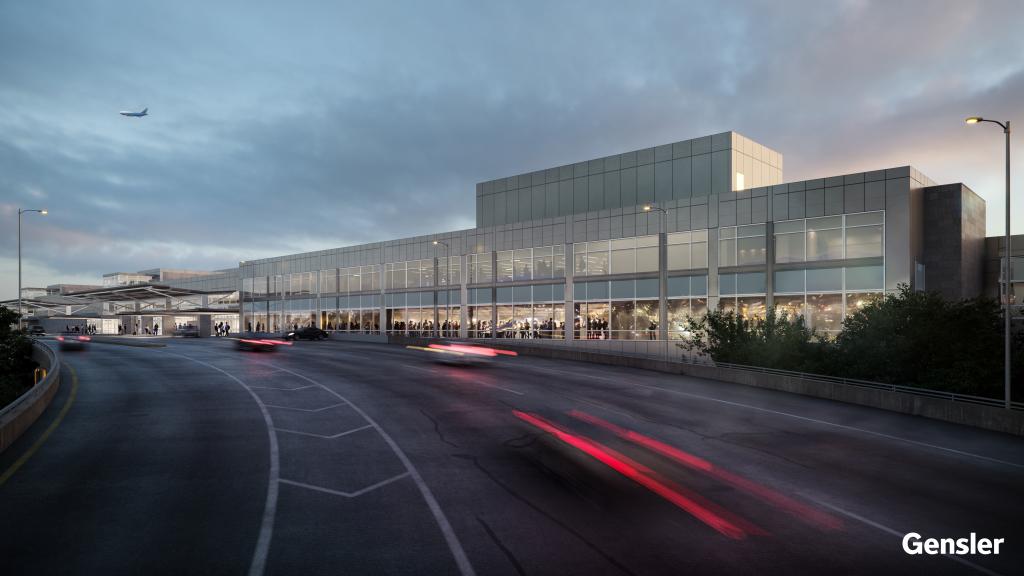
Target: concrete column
(494, 294)
(662, 279)
(569, 310)
(463, 297)
(769, 268)
(205, 326)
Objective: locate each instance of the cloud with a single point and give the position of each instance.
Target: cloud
(279, 129)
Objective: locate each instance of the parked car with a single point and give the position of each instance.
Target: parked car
(259, 342)
(73, 341)
(306, 333)
(188, 331)
(36, 330)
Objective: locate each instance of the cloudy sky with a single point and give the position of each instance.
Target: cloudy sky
(283, 127)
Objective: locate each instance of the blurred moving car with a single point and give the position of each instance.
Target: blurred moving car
(463, 353)
(73, 341)
(259, 342)
(306, 333)
(36, 330)
(187, 331)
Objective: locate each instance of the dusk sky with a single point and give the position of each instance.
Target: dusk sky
(284, 127)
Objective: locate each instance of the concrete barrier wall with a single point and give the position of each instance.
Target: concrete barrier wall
(978, 416)
(23, 412)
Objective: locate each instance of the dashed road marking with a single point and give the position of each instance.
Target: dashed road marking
(355, 494)
(325, 437)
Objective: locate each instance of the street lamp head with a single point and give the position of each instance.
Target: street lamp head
(974, 119)
(44, 212)
(647, 207)
(435, 242)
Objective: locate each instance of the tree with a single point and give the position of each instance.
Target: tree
(16, 364)
(920, 339)
(774, 341)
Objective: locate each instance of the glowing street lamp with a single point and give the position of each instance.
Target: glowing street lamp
(1007, 277)
(20, 212)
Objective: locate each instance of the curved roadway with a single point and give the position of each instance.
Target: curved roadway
(340, 457)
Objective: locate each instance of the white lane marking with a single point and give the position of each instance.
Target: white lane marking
(355, 494)
(461, 560)
(798, 417)
(281, 389)
(325, 437)
(259, 556)
(899, 534)
(505, 389)
(307, 409)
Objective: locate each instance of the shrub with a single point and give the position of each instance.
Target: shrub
(16, 364)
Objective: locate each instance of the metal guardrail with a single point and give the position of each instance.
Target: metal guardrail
(941, 394)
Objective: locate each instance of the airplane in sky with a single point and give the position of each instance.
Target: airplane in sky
(145, 112)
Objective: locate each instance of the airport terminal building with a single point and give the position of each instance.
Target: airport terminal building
(626, 248)
(572, 252)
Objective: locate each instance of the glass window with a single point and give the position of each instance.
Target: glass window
(678, 256)
(727, 252)
(826, 312)
(750, 250)
(504, 295)
(825, 279)
(505, 266)
(751, 307)
(698, 285)
(789, 226)
(597, 261)
(647, 259)
(789, 247)
(790, 306)
(623, 261)
(522, 294)
(678, 314)
(789, 281)
(864, 278)
(825, 244)
(623, 322)
(579, 291)
(865, 218)
(622, 289)
(647, 319)
(750, 283)
(727, 284)
(864, 241)
(597, 290)
(857, 300)
(647, 288)
(678, 286)
(523, 264)
(580, 259)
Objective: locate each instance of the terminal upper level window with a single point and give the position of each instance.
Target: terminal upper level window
(621, 256)
(687, 250)
(860, 235)
(741, 245)
(530, 263)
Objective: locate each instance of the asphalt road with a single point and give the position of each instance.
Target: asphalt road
(339, 457)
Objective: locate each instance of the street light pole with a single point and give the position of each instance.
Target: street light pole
(20, 212)
(662, 271)
(447, 282)
(1007, 277)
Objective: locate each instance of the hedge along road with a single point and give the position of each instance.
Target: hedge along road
(337, 457)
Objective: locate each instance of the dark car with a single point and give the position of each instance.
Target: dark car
(259, 342)
(187, 331)
(36, 331)
(73, 341)
(306, 333)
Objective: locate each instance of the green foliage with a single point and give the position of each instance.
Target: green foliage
(908, 338)
(921, 339)
(16, 364)
(773, 341)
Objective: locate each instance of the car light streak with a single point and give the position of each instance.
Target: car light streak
(709, 513)
(792, 507)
